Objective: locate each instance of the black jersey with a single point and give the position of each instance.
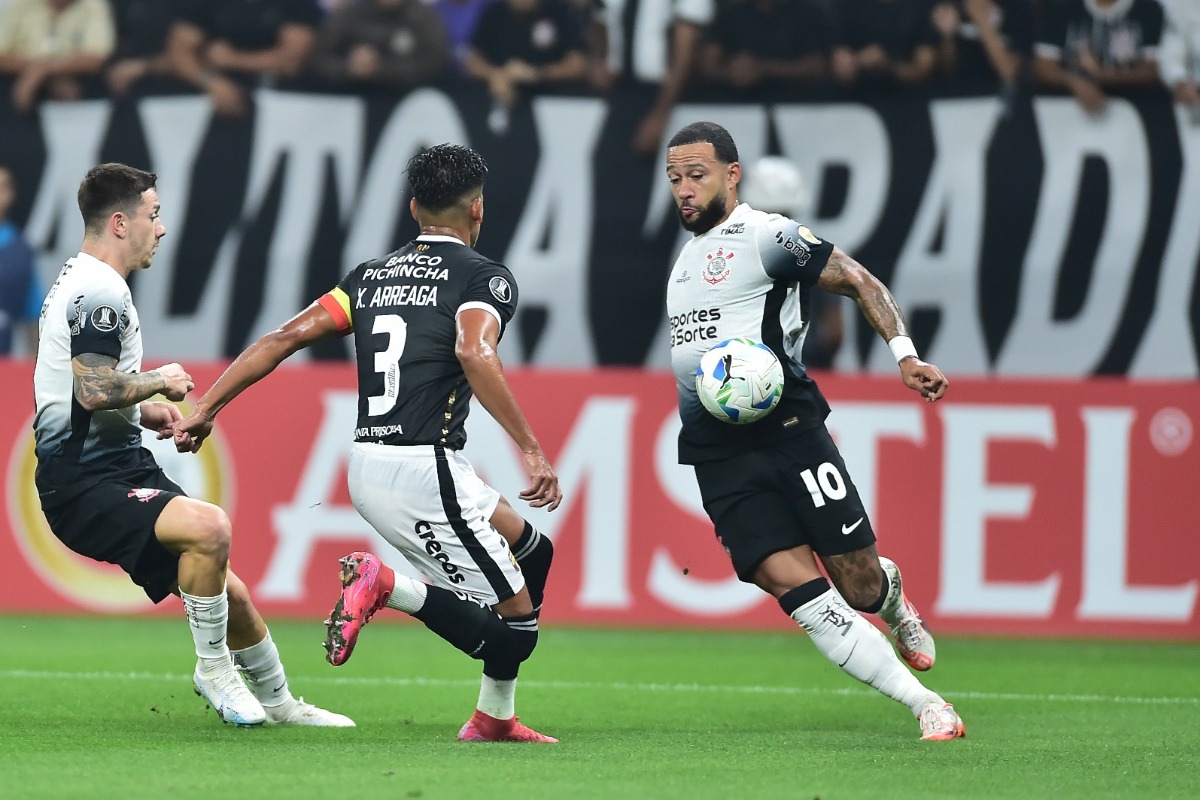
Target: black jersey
(402, 309)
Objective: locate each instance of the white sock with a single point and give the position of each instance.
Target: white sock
(263, 672)
(408, 595)
(497, 698)
(209, 618)
(857, 646)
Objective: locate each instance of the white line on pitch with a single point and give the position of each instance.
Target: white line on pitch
(612, 686)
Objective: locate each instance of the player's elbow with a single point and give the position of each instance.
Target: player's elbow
(859, 283)
(473, 354)
(90, 396)
(279, 344)
(89, 403)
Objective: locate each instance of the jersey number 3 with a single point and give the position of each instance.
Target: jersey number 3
(387, 363)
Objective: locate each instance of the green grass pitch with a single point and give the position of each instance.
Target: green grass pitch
(103, 708)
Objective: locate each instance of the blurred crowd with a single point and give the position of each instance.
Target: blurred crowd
(67, 49)
(753, 49)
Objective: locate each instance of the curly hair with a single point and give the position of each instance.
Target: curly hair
(440, 176)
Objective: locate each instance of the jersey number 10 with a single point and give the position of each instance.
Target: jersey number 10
(827, 483)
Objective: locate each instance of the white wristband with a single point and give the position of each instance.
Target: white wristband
(902, 347)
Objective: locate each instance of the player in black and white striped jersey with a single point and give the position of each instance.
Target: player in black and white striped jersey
(427, 320)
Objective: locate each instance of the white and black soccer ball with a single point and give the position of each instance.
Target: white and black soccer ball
(739, 381)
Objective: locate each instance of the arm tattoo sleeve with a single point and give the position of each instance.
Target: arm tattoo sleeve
(845, 276)
(98, 385)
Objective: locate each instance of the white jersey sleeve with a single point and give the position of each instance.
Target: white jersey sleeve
(89, 309)
(790, 251)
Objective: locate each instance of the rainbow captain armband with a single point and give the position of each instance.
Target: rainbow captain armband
(337, 303)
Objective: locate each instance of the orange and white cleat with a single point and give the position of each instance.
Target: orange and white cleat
(940, 723)
(913, 639)
(483, 727)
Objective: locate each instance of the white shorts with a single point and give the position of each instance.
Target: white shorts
(429, 504)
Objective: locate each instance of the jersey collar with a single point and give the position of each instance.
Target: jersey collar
(739, 210)
(84, 258)
(437, 237)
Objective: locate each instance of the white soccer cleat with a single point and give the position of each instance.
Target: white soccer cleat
(940, 723)
(229, 697)
(298, 712)
(913, 639)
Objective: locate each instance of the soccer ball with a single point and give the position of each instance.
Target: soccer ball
(739, 381)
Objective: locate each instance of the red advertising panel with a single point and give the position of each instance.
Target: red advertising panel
(1016, 507)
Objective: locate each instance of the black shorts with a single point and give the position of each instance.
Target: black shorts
(113, 521)
(792, 493)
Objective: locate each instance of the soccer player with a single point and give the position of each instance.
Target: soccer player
(104, 495)
(426, 321)
(777, 490)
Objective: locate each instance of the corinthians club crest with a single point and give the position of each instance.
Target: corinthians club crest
(717, 267)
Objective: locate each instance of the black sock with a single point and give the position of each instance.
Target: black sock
(501, 643)
(803, 594)
(534, 552)
(502, 660)
(460, 622)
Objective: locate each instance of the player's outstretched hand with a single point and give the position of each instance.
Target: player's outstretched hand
(160, 417)
(179, 383)
(191, 432)
(924, 378)
(543, 482)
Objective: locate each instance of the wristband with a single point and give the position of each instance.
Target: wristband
(902, 347)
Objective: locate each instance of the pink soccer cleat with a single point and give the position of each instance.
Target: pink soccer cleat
(482, 727)
(366, 585)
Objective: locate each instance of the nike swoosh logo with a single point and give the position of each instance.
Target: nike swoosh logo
(848, 529)
(218, 641)
(280, 686)
(853, 647)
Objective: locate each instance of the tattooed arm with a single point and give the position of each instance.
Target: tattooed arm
(845, 276)
(98, 385)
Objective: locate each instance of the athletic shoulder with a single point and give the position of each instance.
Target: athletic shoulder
(789, 249)
(490, 285)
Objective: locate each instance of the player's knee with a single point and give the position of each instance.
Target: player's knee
(212, 532)
(524, 643)
(509, 641)
(545, 549)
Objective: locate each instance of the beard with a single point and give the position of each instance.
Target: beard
(706, 216)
